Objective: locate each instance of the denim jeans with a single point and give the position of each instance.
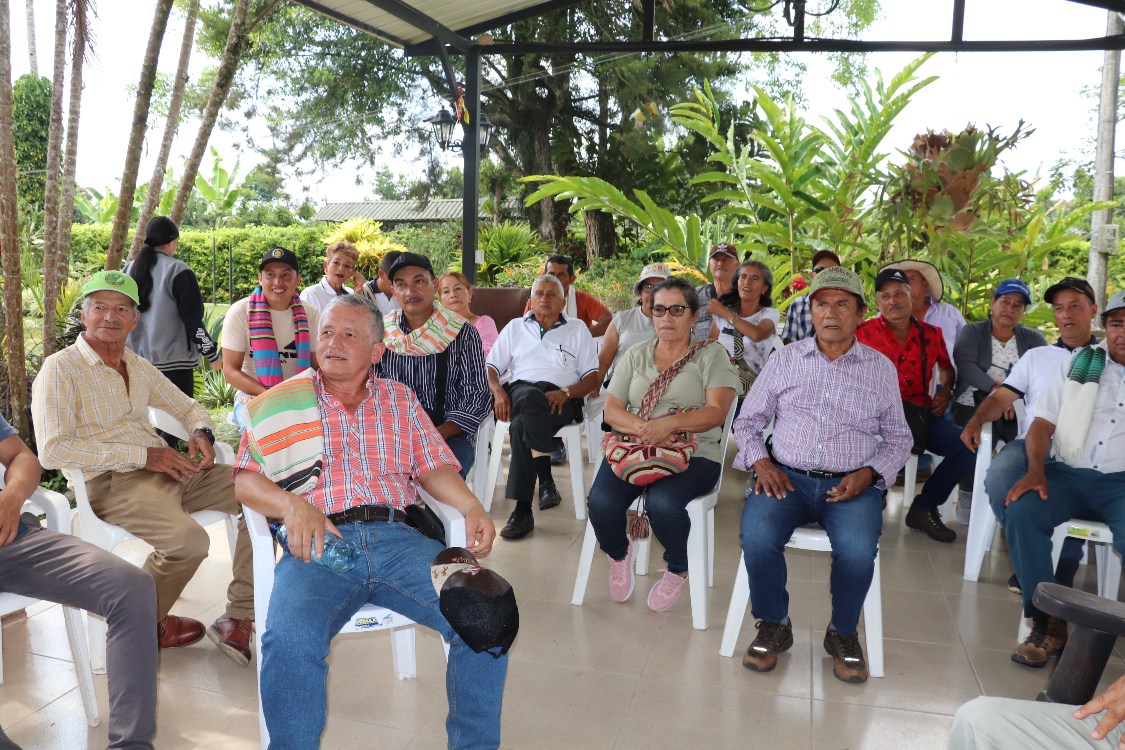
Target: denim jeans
(1008, 467)
(853, 528)
(943, 438)
(666, 502)
(1072, 493)
(464, 451)
(310, 604)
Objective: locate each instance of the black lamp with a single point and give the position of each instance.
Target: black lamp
(443, 123)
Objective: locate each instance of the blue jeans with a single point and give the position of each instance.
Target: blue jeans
(464, 451)
(310, 604)
(1072, 493)
(853, 528)
(1008, 467)
(944, 439)
(666, 502)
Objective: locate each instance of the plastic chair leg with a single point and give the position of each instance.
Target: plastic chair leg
(698, 557)
(873, 623)
(577, 477)
(910, 482)
(402, 652)
(494, 458)
(982, 527)
(736, 612)
(96, 630)
(75, 634)
(585, 561)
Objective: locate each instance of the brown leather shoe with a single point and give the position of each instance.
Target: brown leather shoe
(233, 637)
(772, 639)
(174, 631)
(1047, 638)
(848, 663)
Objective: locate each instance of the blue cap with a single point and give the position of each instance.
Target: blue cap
(1007, 286)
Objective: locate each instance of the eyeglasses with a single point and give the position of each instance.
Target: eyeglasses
(676, 310)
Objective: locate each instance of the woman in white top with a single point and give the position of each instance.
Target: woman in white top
(747, 333)
(632, 326)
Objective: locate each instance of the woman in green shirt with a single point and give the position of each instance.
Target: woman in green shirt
(697, 400)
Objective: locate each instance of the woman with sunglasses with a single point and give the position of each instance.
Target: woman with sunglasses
(696, 401)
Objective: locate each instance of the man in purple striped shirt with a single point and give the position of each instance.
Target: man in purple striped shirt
(839, 432)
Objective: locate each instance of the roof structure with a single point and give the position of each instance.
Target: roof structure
(439, 209)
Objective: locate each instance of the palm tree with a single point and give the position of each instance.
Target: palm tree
(228, 66)
(32, 58)
(9, 241)
(136, 135)
(152, 198)
(52, 249)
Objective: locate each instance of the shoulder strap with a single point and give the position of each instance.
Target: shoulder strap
(660, 385)
(925, 370)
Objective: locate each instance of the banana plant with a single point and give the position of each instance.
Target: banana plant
(221, 192)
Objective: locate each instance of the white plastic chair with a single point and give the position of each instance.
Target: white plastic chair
(1109, 563)
(700, 545)
(57, 510)
(816, 539)
(982, 521)
(108, 536)
(368, 619)
(572, 437)
(478, 475)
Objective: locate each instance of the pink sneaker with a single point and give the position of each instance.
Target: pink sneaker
(621, 579)
(666, 591)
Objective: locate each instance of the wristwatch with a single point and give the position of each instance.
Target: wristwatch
(208, 432)
(566, 392)
(875, 476)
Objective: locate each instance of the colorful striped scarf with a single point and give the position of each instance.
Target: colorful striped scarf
(263, 345)
(433, 337)
(1079, 397)
(285, 435)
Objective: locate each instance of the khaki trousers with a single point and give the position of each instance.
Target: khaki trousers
(154, 507)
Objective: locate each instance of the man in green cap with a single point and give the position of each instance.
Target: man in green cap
(90, 406)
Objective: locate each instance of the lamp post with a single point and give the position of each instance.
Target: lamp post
(443, 124)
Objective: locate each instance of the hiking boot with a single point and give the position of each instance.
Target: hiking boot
(772, 639)
(1047, 638)
(666, 591)
(519, 525)
(930, 522)
(848, 663)
(621, 577)
(549, 496)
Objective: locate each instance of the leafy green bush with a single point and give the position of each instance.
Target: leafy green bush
(508, 246)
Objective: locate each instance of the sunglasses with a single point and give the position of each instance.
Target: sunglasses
(676, 310)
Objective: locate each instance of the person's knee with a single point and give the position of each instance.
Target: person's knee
(665, 505)
(969, 720)
(132, 592)
(760, 535)
(191, 544)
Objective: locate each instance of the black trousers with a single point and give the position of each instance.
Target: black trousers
(533, 426)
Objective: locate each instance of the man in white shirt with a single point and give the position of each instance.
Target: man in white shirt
(1083, 409)
(339, 267)
(552, 364)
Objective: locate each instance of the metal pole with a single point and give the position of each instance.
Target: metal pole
(1103, 160)
(471, 149)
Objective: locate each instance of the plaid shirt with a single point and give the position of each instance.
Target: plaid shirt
(85, 417)
(374, 456)
(798, 320)
(829, 415)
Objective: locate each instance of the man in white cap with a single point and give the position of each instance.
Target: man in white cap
(928, 289)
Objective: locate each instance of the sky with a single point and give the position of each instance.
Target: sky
(998, 89)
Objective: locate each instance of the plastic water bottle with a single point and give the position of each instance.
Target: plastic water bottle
(339, 556)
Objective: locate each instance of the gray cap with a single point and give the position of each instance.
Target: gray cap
(838, 277)
(1116, 302)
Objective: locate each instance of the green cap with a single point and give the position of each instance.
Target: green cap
(112, 281)
(838, 277)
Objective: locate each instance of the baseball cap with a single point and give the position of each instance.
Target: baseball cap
(890, 274)
(723, 248)
(280, 255)
(1070, 282)
(112, 281)
(1010, 286)
(837, 277)
(822, 254)
(479, 605)
(409, 259)
(652, 271)
(1116, 302)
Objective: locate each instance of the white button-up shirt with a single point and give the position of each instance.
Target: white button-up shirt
(1104, 449)
(319, 295)
(562, 355)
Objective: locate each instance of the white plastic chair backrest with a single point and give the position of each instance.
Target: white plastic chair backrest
(57, 511)
(727, 428)
(162, 420)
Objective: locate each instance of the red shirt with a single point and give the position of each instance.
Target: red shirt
(912, 384)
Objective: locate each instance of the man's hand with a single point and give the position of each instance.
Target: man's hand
(10, 508)
(305, 525)
(448, 430)
(851, 485)
(556, 401)
(479, 531)
(940, 402)
(719, 310)
(1112, 701)
(970, 436)
(173, 463)
(502, 405)
(655, 431)
(1028, 482)
(217, 365)
(200, 445)
(771, 480)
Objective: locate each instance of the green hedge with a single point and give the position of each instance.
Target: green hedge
(246, 247)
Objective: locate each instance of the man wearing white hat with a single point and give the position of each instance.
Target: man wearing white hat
(928, 306)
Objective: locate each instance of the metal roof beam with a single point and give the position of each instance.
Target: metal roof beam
(422, 49)
(958, 33)
(422, 22)
(351, 21)
(648, 20)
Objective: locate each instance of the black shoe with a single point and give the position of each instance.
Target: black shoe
(772, 639)
(558, 456)
(549, 495)
(519, 525)
(848, 663)
(1014, 585)
(930, 522)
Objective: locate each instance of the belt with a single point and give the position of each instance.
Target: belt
(816, 474)
(363, 513)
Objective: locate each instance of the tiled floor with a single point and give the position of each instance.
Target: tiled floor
(603, 675)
